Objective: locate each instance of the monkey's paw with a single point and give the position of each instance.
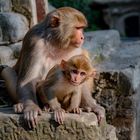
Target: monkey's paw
(18, 108)
(100, 112)
(75, 110)
(59, 115)
(87, 109)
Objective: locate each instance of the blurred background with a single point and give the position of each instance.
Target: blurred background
(122, 15)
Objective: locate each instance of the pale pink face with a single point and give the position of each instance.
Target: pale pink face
(78, 37)
(77, 77)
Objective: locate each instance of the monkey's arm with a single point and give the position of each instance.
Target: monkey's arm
(26, 86)
(55, 106)
(75, 102)
(89, 102)
(29, 67)
(31, 110)
(28, 74)
(47, 89)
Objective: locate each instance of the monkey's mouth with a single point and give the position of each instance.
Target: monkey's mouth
(78, 45)
(75, 83)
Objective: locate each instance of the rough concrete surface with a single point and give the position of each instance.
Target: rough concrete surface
(75, 127)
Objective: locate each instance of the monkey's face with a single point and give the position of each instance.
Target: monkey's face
(65, 27)
(77, 77)
(77, 39)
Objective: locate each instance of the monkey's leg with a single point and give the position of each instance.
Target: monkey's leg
(10, 77)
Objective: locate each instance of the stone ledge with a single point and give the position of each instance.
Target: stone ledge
(76, 127)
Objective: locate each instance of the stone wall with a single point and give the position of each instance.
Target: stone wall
(114, 91)
(118, 81)
(13, 27)
(16, 17)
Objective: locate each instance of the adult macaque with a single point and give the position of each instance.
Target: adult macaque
(59, 36)
(62, 88)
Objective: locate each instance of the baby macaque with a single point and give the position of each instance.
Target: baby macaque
(62, 89)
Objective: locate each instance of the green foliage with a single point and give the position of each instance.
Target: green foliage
(83, 6)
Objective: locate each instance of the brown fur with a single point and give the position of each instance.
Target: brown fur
(62, 87)
(59, 36)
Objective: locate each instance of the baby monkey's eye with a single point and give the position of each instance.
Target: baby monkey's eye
(74, 71)
(82, 73)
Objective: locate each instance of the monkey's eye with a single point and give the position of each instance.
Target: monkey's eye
(82, 73)
(80, 27)
(74, 71)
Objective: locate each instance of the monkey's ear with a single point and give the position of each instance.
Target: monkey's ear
(63, 64)
(54, 21)
(93, 73)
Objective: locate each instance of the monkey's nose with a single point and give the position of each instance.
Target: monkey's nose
(82, 37)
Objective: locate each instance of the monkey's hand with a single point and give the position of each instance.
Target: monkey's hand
(59, 115)
(100, 112)
(86, 109)
(75, 110)
(31, 112)
(18, 108)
